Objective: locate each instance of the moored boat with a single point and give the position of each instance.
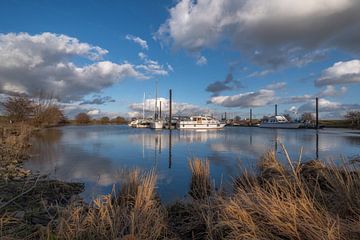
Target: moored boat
(200, 122)
(279, 121)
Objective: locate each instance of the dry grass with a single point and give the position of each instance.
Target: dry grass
(134, 213)
(200, 186)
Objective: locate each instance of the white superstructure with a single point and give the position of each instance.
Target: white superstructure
(200, 122)
(279, 121)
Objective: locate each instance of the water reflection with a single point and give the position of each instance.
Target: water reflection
(95, 154)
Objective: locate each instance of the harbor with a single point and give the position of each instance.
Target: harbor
(95, 154)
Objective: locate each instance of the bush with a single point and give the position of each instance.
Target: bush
(82, 118)
(19, 108)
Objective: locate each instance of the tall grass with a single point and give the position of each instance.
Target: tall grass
(134, 213)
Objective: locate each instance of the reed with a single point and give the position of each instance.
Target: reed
(134, 213)
(200, 185)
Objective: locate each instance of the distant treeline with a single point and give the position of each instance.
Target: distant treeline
(44, 112)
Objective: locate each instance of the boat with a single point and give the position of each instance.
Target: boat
(279, 121)
(157, 122)
(140, 123)
(200, 122)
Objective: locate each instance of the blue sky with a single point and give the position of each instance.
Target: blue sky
(217, 56)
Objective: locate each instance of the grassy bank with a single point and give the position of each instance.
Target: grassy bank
(28, 202)
(291, 200)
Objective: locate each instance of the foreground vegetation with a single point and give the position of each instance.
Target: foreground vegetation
(277, 201)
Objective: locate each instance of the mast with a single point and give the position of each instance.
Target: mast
(144, 107)
(156, 94)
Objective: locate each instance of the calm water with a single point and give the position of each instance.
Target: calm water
(96, 154)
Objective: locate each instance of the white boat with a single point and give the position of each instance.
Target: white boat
(200, 122)
(279, 121)
(139, 123)
(157, 124)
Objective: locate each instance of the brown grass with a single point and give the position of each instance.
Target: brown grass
(134, 213)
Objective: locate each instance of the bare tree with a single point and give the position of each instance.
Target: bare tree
(354, 117)
(307, 117)
(19, 108)
(82, 118)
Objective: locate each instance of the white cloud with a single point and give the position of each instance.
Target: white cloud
(340, 73)
(177, 108)
(142, 56)
(331, 91)
(276, 86)
(137, 40)
(279, 31)
(201, 61)
(152, 67)
(259, 98)
(43, 62)
(94, 112)
(327, 106)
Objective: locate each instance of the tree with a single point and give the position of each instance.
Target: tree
(82, 118)
(307, 117)
(119, 120)
(19, 108)
(354, 117)
(105, 120)
(237, 119)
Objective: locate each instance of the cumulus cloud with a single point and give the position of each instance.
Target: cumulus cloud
(340, 73)
(229, 83)
(259, 98)
(152, 67)
(272, 32)
(141, 42)
(328, 106)
(177, 108)
(94, 112)
(276, 86)
(43, 62)
(201, 61)
(331, 91)
(98, 100)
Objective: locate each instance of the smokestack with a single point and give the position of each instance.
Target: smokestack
(317, 113)
(170, 107)
(276, 110)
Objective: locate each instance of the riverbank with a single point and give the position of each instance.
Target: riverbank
(28, 202)
(290, 200)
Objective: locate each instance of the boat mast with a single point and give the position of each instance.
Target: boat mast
(144, 107)
(156, 94)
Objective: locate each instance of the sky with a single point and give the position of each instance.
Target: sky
(217, 56)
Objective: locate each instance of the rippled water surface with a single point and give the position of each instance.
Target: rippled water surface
(96, 154)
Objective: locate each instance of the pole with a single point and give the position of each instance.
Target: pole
(317, 113)
(275, 109)
(144, 107)
(160, 110)
(250, 117)
(155, 115)
(170, 107)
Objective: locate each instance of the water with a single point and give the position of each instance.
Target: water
(96, 154)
